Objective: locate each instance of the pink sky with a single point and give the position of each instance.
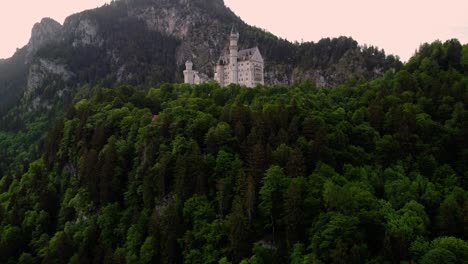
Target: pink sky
(398, 26)
(17, 17)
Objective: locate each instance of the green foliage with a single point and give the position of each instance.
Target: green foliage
(147, 250)
(274, 185)
(364, 172)
(444, 250)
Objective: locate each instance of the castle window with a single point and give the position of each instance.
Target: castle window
(258, 74)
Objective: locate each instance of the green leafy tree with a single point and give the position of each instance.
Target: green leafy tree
(272, 193)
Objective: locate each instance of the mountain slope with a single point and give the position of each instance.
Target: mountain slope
(146, 42)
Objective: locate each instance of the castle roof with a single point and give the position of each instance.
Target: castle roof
(243, 55)
(247, 54)
(234, 29)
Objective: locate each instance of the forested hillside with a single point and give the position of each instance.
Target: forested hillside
(366, 172)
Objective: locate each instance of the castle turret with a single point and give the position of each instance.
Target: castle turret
(188, 65)
(189, 74)
(233, 54)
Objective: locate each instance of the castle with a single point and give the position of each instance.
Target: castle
(191, 76)
(244, 67)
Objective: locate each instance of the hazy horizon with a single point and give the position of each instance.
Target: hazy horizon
(398, 27)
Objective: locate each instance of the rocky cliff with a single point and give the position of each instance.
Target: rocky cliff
(44, 32)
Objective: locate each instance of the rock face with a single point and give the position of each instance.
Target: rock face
(43, 70)
(44, 32)
(201, 26)
(86, 33)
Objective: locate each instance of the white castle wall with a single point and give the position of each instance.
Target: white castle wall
(247, 70)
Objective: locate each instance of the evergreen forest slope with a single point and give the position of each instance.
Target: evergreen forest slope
(365, 172)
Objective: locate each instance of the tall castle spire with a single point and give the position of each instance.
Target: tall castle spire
(233, 55)
(234, 29)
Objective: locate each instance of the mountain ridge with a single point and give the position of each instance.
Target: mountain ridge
(146, 42)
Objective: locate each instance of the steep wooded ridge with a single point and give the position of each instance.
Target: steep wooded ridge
(146, 42)
(366, 172)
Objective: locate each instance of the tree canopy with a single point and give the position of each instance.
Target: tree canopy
(366, 172)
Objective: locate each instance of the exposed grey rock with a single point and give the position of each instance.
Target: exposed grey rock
(202, 38)
(38, 72)
(55, 68)
(87, 33)
(44, 32)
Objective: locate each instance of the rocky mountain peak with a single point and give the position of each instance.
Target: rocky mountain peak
(43, 32)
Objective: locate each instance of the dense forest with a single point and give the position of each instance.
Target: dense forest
(366, 172)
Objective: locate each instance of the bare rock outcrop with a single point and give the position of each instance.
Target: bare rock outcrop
(44, 32)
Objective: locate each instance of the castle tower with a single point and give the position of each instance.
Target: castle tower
(233, 54)
(189, 74)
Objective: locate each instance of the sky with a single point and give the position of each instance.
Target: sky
(17, 17)
(397, 26)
